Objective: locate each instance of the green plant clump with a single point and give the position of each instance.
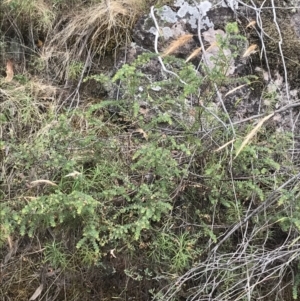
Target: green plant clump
(159, 176)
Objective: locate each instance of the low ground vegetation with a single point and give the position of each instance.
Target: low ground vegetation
(153, 194)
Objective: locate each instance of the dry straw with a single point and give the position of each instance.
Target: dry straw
(93, 30)
(182, 40)
(252, 133)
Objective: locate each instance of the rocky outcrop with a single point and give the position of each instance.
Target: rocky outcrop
(198, 25)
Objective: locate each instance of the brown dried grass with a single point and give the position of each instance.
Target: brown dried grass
(92, 30)
(182, 40)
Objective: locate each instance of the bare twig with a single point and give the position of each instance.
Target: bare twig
(156, 50)
(206, 62)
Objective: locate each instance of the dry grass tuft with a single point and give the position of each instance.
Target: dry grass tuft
(250, 50)
(93, 30)
(196, 52)
(42, 91)
(177, 44)
(44, 13)
(38, 12)
(253, 133)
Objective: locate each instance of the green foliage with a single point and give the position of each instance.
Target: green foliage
(296, 284)
(58, 208)
(75, 69)
(32, 10)
(8, 223)
(174, 252)
(219, 66)
(154, 165)
(86, 199)
(56, 256)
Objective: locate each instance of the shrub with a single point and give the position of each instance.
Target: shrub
(164, 167)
